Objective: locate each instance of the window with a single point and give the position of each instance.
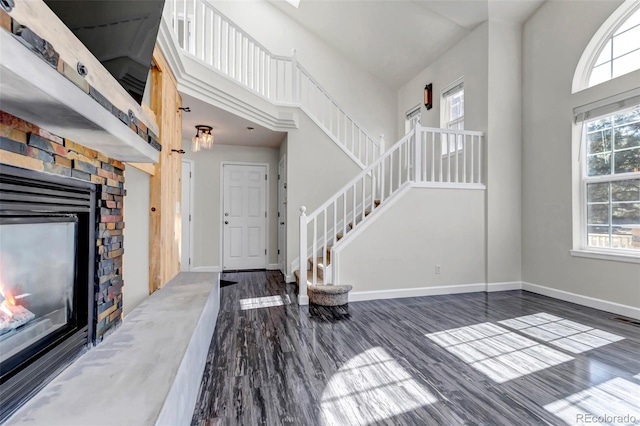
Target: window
(452, 115)
(412, 118)
(620, 54)
(611, 182)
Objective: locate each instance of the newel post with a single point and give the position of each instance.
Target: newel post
(303, 299)
(417, 153)
(294, 73)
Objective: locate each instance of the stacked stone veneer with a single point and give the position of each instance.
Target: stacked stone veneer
(24, 145)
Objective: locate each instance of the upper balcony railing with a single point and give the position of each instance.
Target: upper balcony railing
(204, 32)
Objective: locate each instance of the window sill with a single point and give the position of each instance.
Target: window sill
(605, 255)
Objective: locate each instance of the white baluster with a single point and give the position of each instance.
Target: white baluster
(210, 44)
(175, 17)
(480, 158)
(194, 33)
(302, 288)
(344, 213)
(294, 77)
(314, 252)
(433, 156)
(473, 157)
(334, 230)
(353, 211)
(449, 157)
(203, 32)
(399, 151)
(464, 159)
(324, 246)
(417, 153)
(185, 27)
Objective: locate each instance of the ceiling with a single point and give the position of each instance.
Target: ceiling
(396, 39)
(228, 128)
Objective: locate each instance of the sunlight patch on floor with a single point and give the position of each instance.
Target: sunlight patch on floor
(497, 352)
(616, 401)
(369, 388)
(264, 302)
(564, 334)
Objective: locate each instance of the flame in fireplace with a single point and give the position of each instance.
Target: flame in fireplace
(7, 299)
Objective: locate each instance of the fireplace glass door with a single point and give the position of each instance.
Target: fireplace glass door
(37, 282)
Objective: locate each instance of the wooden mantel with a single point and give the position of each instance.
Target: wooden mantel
(57, 98)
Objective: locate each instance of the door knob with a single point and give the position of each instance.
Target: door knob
(281, 223)
(226, 214)
(226, 222)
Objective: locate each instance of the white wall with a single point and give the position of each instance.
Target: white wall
(437, 227)
(553, 41)
(503, 152)
(468, 59)
(364, 96)
(316, 169)
(207, 201)
(136, 239)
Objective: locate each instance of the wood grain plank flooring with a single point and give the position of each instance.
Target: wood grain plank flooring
(440, 360)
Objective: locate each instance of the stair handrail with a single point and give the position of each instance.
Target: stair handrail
(378, 145)
(422, 156)
(359, 176)
(277, 78)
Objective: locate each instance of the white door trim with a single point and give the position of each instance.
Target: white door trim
(221, 202)
(191, 194)
(284, 248)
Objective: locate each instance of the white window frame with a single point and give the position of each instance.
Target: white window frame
(445, 117)
(584, 114)
(190, 36)
(409, 122)
(592, 52)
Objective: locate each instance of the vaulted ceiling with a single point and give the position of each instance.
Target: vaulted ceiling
(395, 39)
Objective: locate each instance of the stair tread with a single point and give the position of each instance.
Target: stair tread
(319, 281)
(320, 261)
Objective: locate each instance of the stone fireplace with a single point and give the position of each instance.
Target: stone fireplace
(61, 247)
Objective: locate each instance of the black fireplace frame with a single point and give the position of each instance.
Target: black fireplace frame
(27, 193)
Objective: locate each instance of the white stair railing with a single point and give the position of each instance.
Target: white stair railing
(211, 37)
(426, 156)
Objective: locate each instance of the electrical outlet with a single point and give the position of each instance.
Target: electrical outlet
(437, 269)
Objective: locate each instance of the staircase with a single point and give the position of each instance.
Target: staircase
(321, 265)
(226, 48)
(438, 158)
(427, 157)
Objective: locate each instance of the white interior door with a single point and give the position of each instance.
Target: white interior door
(244, 217)
(185, 212)
(282, 214)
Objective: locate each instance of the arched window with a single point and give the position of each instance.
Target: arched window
(606, 208)
(613, 51)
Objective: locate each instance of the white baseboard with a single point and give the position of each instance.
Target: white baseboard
(273, 267)
(206, 269)
(289, 278)
(603, 305)
(505, 286)
(359, 296)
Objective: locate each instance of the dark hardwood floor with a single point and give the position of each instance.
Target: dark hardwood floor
(508, 358)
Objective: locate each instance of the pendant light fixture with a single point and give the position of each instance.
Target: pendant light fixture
(202, 139)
